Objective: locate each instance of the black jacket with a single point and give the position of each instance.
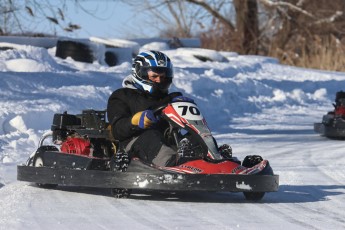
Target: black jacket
(123, 104)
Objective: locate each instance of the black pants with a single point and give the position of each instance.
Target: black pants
(151, 148)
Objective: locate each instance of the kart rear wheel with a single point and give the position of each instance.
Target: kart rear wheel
(38, 162)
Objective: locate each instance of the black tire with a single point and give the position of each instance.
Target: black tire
(251, 160)
(114, 166)
(110, 58)
(76, 50)
(4, 48)
(248, 162)
(38, 161)
(254, 196)
(202, 58)
(120, 192)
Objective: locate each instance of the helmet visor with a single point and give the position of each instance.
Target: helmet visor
(159, 70)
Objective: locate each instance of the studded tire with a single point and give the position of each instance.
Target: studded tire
(250, 161)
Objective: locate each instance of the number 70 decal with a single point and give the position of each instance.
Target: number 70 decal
(188, 111)
(191, 109)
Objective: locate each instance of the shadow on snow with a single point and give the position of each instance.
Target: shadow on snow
(286, 194)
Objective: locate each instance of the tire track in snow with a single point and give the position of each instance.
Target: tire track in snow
(296, 158)
(13, 201)
(305, 207)
(145, 217)
(162, 209)
(311, 204)
(288, 214)
(333, 174)
(332, 150)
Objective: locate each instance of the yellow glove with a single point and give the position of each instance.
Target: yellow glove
(144, 119)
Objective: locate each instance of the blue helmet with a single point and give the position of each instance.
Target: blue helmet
(157, 62)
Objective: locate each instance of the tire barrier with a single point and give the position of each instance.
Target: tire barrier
(76, 50)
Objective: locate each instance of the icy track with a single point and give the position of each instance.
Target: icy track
(311, 196)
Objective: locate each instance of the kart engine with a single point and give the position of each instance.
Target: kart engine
(83, 134)
(76, 145)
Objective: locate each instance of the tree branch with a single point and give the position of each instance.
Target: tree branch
(286, 4)
(330, 19)
(213, 12)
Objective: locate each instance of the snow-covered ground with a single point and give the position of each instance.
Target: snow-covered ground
(253, 103)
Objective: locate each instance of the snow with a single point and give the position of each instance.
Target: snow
(253, 103)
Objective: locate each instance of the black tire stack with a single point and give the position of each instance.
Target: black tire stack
(82, 52)
(76, 50)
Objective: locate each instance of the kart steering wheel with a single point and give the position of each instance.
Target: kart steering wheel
(165, 101)
(159, 108)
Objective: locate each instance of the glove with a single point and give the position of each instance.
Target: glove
(144, 119)
(182, 98)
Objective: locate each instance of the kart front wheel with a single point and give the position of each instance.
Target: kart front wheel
(119, 163)
(120, 192)
(254, 196)
(250, 161)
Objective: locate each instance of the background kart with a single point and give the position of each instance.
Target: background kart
(333, 123)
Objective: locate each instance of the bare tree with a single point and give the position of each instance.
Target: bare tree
(17, 18)
(298, 32)
(247, 25)
(7, 9)
(301, 30)
(295, 31)
(172, 18)
(217, 18)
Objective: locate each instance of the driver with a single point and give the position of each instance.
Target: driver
(129, 109)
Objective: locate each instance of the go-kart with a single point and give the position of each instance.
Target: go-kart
(83, 152)
(333, 123)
